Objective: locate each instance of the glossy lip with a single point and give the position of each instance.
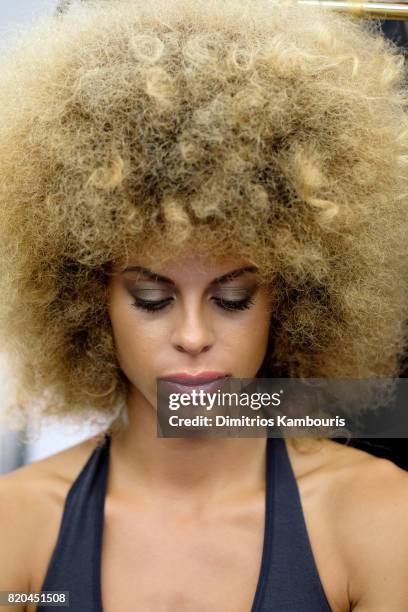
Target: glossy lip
(184, 378)
(181, 385)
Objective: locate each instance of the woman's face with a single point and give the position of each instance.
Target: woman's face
(188, 315)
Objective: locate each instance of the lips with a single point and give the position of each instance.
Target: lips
(205, 375)
(186, 384)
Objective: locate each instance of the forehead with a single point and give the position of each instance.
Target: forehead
(186, 264)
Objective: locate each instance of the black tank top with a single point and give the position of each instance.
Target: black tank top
(288, 578)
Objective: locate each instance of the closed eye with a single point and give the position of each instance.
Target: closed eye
(234, 304)
(151, 305)
(229, 305)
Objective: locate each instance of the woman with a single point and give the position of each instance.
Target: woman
(208, 189)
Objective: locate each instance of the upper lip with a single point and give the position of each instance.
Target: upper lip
(196, 377)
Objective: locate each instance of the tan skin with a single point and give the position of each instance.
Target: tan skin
(197, 528)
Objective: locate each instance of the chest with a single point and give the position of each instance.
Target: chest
(163, 563)
(158, 562)
(155, 560)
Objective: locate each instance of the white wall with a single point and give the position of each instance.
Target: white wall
(22, 10)
(13, 12)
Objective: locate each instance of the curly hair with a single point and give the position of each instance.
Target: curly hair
(272, 130)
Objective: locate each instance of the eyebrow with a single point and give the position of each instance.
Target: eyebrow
(163, 279)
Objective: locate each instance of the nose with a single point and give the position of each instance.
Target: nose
(192, 333)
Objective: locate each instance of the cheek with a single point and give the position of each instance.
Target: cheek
(254, 335)
(257, 343)
(246, 340)
(137, 343)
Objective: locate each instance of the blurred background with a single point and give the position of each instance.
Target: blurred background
(53, 437)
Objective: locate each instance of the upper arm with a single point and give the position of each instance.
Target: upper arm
(378, 542)
(14, 557)
(31, 507)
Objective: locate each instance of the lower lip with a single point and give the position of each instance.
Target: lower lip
(208, 387)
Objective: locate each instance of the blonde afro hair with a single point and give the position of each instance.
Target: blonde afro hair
(276, 131)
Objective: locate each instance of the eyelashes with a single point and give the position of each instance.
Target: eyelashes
(150, 305)
(228, 305)
(243, 304)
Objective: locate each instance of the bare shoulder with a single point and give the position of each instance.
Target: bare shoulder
(60, 467)
(31, 502)
(366, 501)
(365, 486)
(351, 470)
(375, 534)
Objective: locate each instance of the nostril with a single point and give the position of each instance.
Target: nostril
(191, 350)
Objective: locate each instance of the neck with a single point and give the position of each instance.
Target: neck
(202, 471)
